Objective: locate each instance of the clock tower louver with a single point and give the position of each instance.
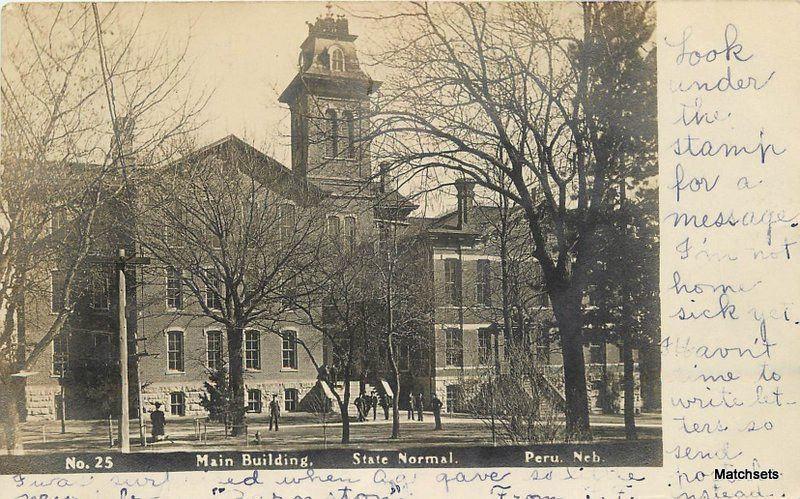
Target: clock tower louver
(329, 104)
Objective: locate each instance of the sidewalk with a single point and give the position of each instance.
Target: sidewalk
(299, 431)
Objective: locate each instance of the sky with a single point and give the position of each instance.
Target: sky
(242, 54)
(246, 54)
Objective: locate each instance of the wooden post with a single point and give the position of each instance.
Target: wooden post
(63, 405)
(124, 416)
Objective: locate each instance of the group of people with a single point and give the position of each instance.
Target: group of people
(416, 405)
(364, 403)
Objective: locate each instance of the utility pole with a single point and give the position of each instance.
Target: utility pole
(121, 261)
(124, 416)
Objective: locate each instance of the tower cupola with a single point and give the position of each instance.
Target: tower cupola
(329, 103)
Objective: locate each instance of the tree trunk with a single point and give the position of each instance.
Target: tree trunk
(396, 405)
(650, 377)
(567, 311)
(345, 423)
(344, 408)
(396, 409)
(628, 388)
(9, 414)
(236, 379)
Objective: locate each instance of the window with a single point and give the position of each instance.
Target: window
(177, 403)
(454, 348)
(483, 290)
(453, 398)
(596, 353)
(174, 289)
(452, 281)
(254, 400)
(290, 399)
(57, 291)
(214, 349)
(337, 59)
(333, 133)
(60, 354)
(287, 222)
(98, 291)
(289, 350)
(350, 232)
(334, 229)
(213, 291)
(252, 350)
(175, 351)
(351, 135)
(484, 346)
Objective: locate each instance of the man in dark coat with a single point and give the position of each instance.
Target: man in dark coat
(359, 403)
(419, 405)
(410, 405)
(436, 405)
(158, 421)
(385, 401)
(274, 412)
(373, 400)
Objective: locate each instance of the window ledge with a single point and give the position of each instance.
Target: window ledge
(289, 369)
(174, 373)
(346, 160)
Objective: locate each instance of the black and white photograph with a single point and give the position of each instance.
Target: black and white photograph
(303, 235)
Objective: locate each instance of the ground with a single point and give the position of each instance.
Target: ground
(299, 431)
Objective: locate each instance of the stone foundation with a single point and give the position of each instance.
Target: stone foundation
(40, 401)
(160, 392)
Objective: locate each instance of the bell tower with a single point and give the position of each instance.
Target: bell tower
(329, 104)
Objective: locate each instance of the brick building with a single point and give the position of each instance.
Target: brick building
(328, 99)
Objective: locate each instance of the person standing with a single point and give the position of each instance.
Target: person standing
(410, 406)
(419, 405)
(436, 405)
(373, 400)
(274, 412)
(385, 401)
(359, 403)
(158, 422)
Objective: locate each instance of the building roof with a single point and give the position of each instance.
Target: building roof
(262, 167)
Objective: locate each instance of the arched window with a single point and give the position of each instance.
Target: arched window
(351, 134)
(337, 59)
(333, 133)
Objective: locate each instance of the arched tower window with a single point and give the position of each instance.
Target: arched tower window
(351, 134)
(333, 133)
(337, 59)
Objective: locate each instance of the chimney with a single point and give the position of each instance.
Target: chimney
(466, 201)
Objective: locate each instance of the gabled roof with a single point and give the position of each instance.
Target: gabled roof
(267, 170)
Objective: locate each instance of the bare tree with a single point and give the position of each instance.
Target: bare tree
(241, 235)
(405, 290)
(475, 88)
(69, 93)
